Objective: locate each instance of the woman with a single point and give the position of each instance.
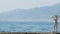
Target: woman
(55, 23)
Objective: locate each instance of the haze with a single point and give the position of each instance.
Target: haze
(7, 5)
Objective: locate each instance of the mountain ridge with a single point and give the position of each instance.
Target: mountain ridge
(35, 14)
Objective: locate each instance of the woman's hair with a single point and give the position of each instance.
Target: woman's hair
(56, 15)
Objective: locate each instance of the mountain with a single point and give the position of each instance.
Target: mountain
(34, 14)
(48, 12)
(21, 15)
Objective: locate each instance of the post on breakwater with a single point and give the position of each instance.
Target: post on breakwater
(55, 17)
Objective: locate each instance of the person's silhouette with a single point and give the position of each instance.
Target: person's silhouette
(55, 17)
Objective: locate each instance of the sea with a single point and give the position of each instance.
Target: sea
(27, 26)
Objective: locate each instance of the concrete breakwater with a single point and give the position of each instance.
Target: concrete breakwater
(28, 33)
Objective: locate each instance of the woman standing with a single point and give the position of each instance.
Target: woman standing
(55, 23)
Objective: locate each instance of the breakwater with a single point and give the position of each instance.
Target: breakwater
(28, 33)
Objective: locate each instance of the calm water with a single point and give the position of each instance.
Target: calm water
(27, 27)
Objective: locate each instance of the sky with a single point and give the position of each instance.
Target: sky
(7, 5)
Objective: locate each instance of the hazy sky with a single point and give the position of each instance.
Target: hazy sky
(25, 4)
